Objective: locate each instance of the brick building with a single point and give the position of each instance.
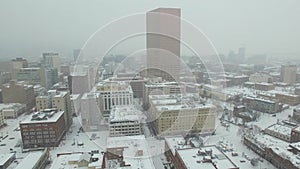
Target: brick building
(43, 129)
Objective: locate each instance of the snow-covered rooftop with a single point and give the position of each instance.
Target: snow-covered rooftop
(192, 158)
(126, 113)
(46, 116)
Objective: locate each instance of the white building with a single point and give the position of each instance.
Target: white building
(260, 78)
(113, 94)
(90, 112)
(125, 121)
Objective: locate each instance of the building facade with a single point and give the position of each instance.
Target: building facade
(113, 94)
(177, 115)
(18, 92)
(288, 74)
(125, 121)
(163, 43)
(43, 129)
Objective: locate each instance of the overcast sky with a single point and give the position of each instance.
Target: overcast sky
(29, 27)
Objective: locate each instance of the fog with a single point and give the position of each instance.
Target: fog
(30, 27)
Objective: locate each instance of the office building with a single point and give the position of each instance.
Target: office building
(289, 99)
(163, 43)
(18, 92)
(179, 114)
(59, 100)
(160, 89)
(12, 110)
(288, 73)
(43, 129)
(125, 121)
(90, 112)
(5, 77)
(113, 94)
(51, 59)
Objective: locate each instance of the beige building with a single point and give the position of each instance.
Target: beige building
(288, 73)
(59, 100)
(12, 110)
(33, 75)
(18, 92)
(177, 114)
(163, 43)
(42, 102)
(289, 99)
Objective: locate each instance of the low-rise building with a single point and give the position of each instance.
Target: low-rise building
(264, 86)
(262, 105)
(6, 160)
(280, 131)
(35, 160)
(43, 129)
(276, 151)
(78, 160)
(125, 121)
(12, 110)
(289, 99)
(160, 89)
(184, 155)
(181, 113)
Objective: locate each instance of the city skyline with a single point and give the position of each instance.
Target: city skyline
(227, 26)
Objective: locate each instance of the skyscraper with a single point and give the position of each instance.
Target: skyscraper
(51, 59)
(288, 73)
(163, 43)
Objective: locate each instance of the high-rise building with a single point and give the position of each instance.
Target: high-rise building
(288, 73)
(19, 63)
(51, 59)
(18, 92)
(76, 53)
(163, 43)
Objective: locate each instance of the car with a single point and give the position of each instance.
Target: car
(242, 161)
(2, 144)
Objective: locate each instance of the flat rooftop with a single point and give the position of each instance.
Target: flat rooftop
(126, 113)
(30, 160)
(184, 106)
(282, 129)
(193, 159)
(43, 117)
(132, 145)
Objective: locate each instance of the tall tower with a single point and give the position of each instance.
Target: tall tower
(288, 73)
(163, 43)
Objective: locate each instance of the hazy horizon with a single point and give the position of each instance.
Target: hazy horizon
(268, 27)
